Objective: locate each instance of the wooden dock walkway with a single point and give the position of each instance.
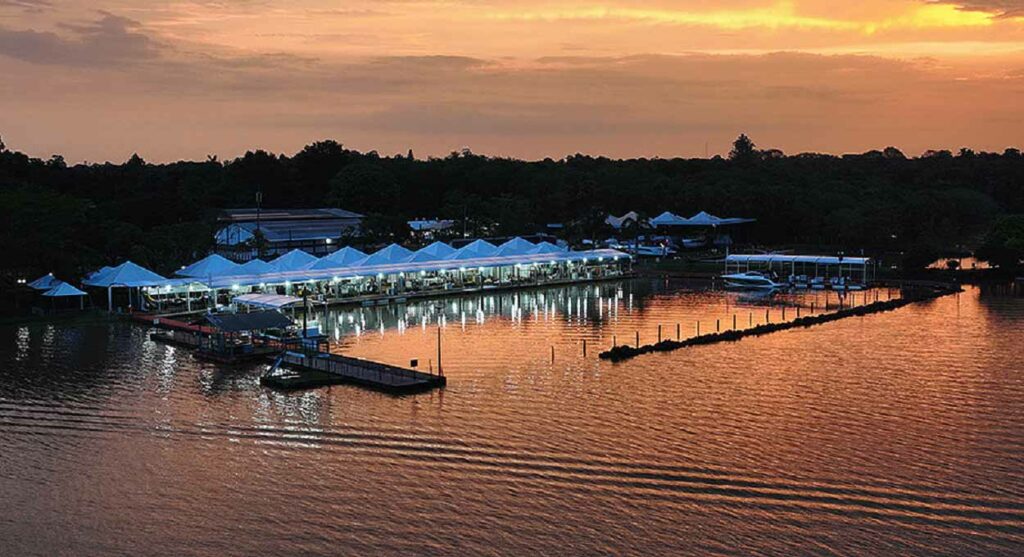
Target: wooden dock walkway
(300, 370)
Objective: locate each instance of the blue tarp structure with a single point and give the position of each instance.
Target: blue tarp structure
(127, 274)
(295, 260)
(474, 250)
(387, 256)
(45, 282)
(515, 246)
(433, 252)
(63, 290)
(210, 266)
(344, 257)
(255, 267)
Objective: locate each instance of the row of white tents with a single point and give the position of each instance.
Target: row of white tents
(217, 272)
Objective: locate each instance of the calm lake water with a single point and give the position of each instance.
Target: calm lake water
(899, 433)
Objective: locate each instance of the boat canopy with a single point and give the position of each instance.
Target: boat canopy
(127, 274)
(210, 266)
(252, 321)
(273, 301)
(809, 259)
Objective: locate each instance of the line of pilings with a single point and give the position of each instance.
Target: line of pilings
(625, 352)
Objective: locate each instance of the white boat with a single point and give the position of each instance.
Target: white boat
(751, 280)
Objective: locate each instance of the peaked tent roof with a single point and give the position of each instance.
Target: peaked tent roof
(295, 260)
(255, 267)
(546, 247)
(515, 246)
(212, 265)
(433, 252)
(474, 250)
(63, 290)
(387, 256)
(345, 257)
(126, 274)
(45, 282)
(669, 219)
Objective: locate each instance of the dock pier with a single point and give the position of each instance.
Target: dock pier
(303, 370)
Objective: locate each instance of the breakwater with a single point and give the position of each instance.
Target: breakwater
(913, 294)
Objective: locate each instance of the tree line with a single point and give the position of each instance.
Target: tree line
(74, 218)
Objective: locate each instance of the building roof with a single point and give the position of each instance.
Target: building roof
(271, 215)
(546, 247)
(253, 321)
(286, 230)
(423, 225)
(700, 219)
(474, 250)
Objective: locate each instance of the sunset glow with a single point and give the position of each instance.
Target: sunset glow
(100, 80)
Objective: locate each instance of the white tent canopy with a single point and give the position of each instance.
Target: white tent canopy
(210, 266)
(515, 246)
(433, 252)
(700, 219)
(295, 260)
(387, 256)
(127, 274)
(255, 267)
(546, 247)
(341, 258)
(473, 250)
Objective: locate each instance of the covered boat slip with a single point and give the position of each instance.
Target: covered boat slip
(349, 275)
(860, 269)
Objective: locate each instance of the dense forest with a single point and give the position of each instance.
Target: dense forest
(69, 219)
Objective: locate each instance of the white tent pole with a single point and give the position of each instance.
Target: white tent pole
(110, 299)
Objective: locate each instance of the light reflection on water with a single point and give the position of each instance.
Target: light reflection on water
(895, 433)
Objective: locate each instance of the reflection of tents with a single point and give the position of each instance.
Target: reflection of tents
(45, 282)
(126, 275)
(65, 290)
(295, 260)
(210, 266)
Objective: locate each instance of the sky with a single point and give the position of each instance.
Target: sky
(98, 80)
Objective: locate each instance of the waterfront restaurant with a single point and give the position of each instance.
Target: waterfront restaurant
(393, 271)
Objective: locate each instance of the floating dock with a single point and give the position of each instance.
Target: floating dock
(302, 370)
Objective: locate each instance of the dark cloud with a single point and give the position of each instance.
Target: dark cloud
(107, 41)
(1005, 8)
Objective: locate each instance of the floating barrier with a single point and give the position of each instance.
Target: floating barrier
(620, 353)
